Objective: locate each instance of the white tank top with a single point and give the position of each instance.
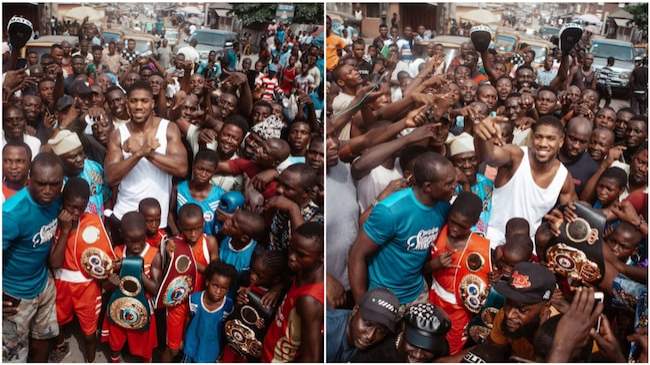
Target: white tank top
(145, 180)
(522, 197)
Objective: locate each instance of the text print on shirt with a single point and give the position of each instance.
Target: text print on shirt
(46, 233)
(423, 240)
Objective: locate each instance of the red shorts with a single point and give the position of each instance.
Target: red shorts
(141, 343)
(176, 322)
(459, 317)
(230, 355)
(81, 299)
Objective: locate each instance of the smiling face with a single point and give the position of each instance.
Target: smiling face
(365, 333)
(415, 354)
(229, 138)
(140, 103)
(601, 141)
(117, 103)
(504, 88)
(14, 124)
(606, 118)
(546, 143)
(468, 164)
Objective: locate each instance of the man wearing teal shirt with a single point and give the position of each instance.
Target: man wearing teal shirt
(394, 244)
(29, 296)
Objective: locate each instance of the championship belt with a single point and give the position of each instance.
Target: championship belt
(179, 278)
(480, 326)
(472, 284)
(93, 253)
(577, 253)
(246, 329)
(128, 307)
(473, 292)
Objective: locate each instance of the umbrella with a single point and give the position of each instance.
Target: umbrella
(80, 12)
(481, 16)
(590, 18)
(191, 10)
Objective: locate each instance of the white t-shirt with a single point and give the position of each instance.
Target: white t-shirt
(371, 185)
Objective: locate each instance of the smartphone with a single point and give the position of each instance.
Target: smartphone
(8, 298)
(599, 297)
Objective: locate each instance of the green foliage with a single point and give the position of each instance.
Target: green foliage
(640, 13)
(256, 14)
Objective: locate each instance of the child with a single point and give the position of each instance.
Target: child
(242, 230)
(268, 269)
(76, 294)
(141, 342)
(205, 250)
(150, 210)
(457, 254)
(203, 339)
(609, 188)
(303, 304)
(270, 154)
(198, 189)
(294, 205)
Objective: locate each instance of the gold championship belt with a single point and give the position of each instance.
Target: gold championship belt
(178, 282)
(129, 307)
(577, 253)
(246, 329)
(473, 292)
(93, 253)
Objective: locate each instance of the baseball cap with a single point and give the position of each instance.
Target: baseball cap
(426, 327)
(530, 283)
(64, 102)
(381, 306)
(79, 88)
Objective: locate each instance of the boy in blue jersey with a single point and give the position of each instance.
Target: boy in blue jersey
(209, 308)
(394, 243)
(198, 190)
(28, 292)
(242, 231)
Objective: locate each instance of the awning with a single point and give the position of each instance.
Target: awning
(622, 22)
(81, 12)
(481, 16)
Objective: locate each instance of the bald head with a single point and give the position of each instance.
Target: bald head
(579, 125)
(430, 166)
(279, 148)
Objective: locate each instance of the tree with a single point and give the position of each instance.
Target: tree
(640, 13)
(257, 14)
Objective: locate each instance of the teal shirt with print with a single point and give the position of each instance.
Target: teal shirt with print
(405, 229)
(28, 229)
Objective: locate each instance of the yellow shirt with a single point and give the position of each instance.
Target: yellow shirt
(333, 44)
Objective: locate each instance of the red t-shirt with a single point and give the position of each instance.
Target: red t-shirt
(244, 166)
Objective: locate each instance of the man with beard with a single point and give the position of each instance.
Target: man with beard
(573, 153)
(68, 147)
(420, 338)
(16, 158)
(349, 80)
(400, 251)
(33, 107)
(623, 116)
(639, 170)
(142, 157)
(363, 326)
(528, 292)
(636, 135)
(463, 156)
(46, 92)
(299, 137)
(14, 129)
(117, 105)
(601, 141)
(529, 180)
(525, 77)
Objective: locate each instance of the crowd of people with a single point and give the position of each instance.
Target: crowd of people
(169, 207)
(484, 209)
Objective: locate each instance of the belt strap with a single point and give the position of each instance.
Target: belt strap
(71, 276)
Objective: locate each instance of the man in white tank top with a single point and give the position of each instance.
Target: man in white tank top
(143, 155)
(530, 180)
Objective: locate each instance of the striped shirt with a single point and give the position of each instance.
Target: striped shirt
(269, 85)
(605, 75)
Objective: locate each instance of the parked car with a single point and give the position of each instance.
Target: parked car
(540, 46)
(546, 32)
(450, 44)
(143, 42)
(623, 53)
(506, 39)
(111, 36)
(211, 40)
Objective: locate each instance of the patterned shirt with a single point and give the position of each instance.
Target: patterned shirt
(281, 225)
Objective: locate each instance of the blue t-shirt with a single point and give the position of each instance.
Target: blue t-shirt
(204, 335)
(405, 229)
(208, 205)
(338, 347)
(240, 259)
(483, 189)
(93, 174)
(27, 232)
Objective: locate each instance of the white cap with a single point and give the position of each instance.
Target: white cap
(64, 142)
(462, 143)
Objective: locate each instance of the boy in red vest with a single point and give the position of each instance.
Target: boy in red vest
(150, 209)
(77, 293)
(460, 264)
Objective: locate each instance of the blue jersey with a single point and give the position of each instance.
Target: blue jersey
(240, 259)
(208, 205)
(28, 229)
(405, 229)
(204, 335)
(483, 189)
(93, 174)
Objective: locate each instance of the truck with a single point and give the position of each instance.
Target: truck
(623, 53)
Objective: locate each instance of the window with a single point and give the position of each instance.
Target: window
(372, 11)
